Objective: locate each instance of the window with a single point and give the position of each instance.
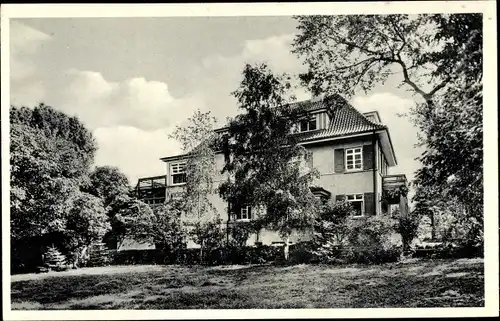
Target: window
(178, 173)
(357, 202)
(245, 213)
(308, 124)
(354, 159)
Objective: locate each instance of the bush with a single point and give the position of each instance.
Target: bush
(450, 251)
(370, 241)
(54, 259)
(408, 227)
(135, 257)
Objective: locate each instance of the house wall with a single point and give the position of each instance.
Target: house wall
(323, 160)
(339, 183)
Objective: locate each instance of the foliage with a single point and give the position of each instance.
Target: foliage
(453, 162)
(331, 230)
(50, 155)
(240, 232)
(86, 223)
(161, 226)
(370, 241)
(407, 227)
(439, 57)
(125, 213)
(109, 184)
(50, 158)
(208, 234)
(345, 52)
(198, 140)
(262, 154)
(54, 259)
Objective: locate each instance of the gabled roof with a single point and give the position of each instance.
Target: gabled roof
(345, 121)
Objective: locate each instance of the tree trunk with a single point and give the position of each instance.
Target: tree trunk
(433, 226)
(201, 251)
(287, 247)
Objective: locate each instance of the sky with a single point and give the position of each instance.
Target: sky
(132, 80)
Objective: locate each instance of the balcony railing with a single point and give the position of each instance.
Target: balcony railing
(152, 189)
(390, 182)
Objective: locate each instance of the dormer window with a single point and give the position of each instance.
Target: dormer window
(308, 124)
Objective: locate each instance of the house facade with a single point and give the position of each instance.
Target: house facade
(352, 152)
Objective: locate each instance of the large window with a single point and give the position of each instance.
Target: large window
(178, 173)
(354, 159)
(244, 213)
(357, 202)
(309, 124)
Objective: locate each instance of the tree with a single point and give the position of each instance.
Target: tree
(198, 140)
(86, 223)
(109, 184)
(128, 218)
(113, 188)
(50, 158)
(50, 155)
(161, 226)
(263, 159)
(347, 52)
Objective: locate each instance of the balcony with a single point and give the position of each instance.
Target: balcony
(394, 187)
(151, 190)
(392, 182)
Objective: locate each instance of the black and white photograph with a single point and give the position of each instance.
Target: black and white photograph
(280, 158)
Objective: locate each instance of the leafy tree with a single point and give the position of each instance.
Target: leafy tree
(161, 226)
(129, 218)
(452, 165)
(50, 156)
(86, 223)
(198, 140)
(439, 58)
(120, 202)
(346, 52)
(109, 184)
(262, 154)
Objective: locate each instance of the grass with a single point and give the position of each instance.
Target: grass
(426, 283)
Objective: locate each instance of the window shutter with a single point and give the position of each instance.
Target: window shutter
(339, 198)
(250, 214)
(309, 159)
(367, 157)
(369, 206)
(339, 160)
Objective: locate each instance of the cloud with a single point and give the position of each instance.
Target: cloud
(402, 131)
(134, 102)
(217, 76)
(136, 152)
(25, 42)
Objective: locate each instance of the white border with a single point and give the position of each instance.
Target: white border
(488, 8)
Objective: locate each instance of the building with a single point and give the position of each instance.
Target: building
(353, 153)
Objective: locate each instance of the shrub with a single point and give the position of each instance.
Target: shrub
(370, 241)
(54, 259)
(408, 227)
(331, 230)
(209, 235)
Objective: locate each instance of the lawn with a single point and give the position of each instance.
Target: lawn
(426, 283)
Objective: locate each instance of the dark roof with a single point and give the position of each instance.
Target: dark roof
(347, 120)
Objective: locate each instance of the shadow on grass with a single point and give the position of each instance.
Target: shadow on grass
(417, 284)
